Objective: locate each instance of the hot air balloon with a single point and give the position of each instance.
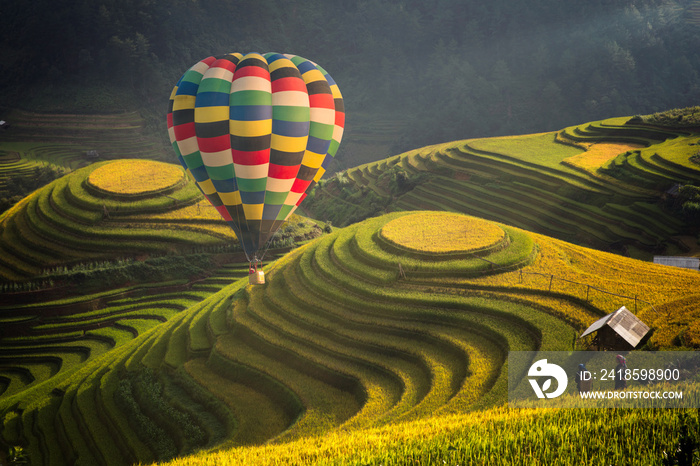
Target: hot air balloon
(256, 132)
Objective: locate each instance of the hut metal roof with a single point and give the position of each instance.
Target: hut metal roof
(624, 323)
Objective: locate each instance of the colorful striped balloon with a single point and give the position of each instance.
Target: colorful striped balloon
(256, 132)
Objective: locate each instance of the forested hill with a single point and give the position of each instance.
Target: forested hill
(425, 71)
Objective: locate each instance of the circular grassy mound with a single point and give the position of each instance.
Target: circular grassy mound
(442, 233)
(136, 177)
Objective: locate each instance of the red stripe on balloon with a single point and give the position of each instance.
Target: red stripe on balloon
(281, 172)
(252, 71)
(184, 131)
(216, 144)
(300, 186)
(224, 213)
(225, 64)
(288, 84)
(340, 119)
(321, 101)
(303, 196)
(250, 157)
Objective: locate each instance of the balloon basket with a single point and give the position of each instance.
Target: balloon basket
(257, 278)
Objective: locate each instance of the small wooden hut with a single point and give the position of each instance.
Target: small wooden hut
(619, 331)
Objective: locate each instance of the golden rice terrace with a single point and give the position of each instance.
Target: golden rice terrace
(442, 232)
(337, 340)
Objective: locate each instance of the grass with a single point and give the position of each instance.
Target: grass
(559, 184)
(499, 436)
(338, 344)
(72, 222)
(366, 346)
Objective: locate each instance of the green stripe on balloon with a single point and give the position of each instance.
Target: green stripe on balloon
(251, 98)
(224, 172)
(252, 185)
(274, 198)
(286, 113)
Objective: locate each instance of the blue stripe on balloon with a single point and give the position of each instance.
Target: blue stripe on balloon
(305, 66)
(270, 212)
(252, 197)
(200, 173)
(187, 88)
(326, 162)
(329, 79)
(319, 146)
(225, 186)
(251, 112)
(272, 57)
(212, 99)
(290, 128)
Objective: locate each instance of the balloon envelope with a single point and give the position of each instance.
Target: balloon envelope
(256, 132)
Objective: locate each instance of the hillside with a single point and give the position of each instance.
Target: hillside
(361, 331)
(448, 69)
(601, 184)
(64, 139)
(118, 211)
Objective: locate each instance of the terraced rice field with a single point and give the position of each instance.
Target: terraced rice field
(42, 339)
(65, 139)
(348, 335)
(73, 221)
(549, 183)
(13, 166)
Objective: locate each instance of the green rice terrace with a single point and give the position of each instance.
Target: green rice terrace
(129, 332)
(340, 337)
(125, 210)
(72, 140)
(602, 184)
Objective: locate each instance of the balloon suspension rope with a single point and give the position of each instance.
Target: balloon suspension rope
(254, 265)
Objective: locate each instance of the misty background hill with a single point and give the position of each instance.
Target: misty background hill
(412, 72)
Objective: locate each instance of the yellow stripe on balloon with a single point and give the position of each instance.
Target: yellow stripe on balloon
(336, 92)
(231, 199)
(288, 143)
(312, 159)
(319, 174)
(249, 129)
(211, 114)
(184, 102)
(313, 75)
(207, 187)
(280, 63)
(253, 211)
